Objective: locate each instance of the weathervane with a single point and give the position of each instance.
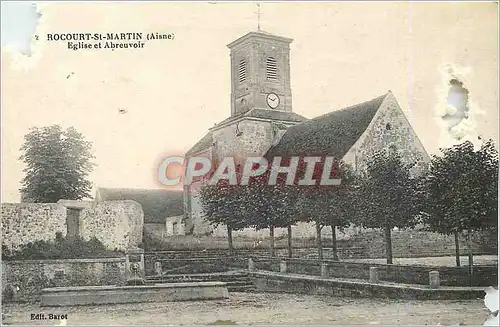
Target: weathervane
(258, 16)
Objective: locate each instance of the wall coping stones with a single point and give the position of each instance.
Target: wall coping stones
(63, 261)
(134, 287)
(330, 262)
(382, 284)
(424, 292)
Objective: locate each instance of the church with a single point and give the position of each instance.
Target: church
(262, 123)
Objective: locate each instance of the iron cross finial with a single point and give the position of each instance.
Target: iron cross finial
(258, 16)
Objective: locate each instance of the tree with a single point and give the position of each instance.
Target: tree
(271, 206)
(388, 196)
(341, 203)
(224, 204)
(461, 192)
(58, 163)
(328, 205)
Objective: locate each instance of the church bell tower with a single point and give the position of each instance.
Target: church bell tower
(260, 73)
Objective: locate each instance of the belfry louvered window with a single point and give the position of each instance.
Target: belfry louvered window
(242, 71)
(271, 69)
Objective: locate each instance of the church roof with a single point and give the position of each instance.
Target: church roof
(157, 204)
(267, 114)
(259, 34)
(332, 134)
(202, 144)
(278, 115)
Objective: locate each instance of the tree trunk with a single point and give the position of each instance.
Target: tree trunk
(471, 259)
(318, 241)
(271, 240)
(388, 245)
(457, 250)
(289, 230)
(334, 242)
(230, 239)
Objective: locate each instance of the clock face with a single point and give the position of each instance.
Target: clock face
(273, 100)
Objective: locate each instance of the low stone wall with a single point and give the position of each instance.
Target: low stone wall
(190, 265)
(305, 252)
(449, 276)
(26, 279)
(282, 283)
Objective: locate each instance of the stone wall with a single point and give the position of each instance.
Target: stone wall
(284, 283)
(482, 275)
(117, 224)
(29, 222)
(175, 226)
(27, 278)
(255, 139)
(368, 244)
(154, 231)
(412, 243)
(389, 129)
(300, 230)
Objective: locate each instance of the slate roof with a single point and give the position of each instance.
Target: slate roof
(267, 114)
(207, 140)
(276, 115)
(332, 134)
(261, 34)
(156, 204)
(202, 144)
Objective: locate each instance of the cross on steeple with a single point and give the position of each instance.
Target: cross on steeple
(258, 16)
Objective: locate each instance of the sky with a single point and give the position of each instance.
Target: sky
(173, 91)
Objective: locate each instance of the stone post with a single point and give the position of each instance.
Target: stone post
(434, 281)
(374, 275)
(141, 266)
(158, 270)
(283, 266)
(324, 270)
(127, 266)
(251, 265)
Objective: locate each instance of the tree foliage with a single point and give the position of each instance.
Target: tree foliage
(271, 206)
(57, 165)
(332, 205)
(224, 204)
(388, 196)
(461, 189)
(461, 192)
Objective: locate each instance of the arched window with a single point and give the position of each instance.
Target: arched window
(271, 69)
(242, 71)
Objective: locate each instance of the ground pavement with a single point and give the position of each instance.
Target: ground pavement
(269, 308)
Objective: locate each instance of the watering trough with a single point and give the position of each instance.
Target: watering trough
(135, 291)
(94, 295)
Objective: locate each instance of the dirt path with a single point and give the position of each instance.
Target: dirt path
(258, 308)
